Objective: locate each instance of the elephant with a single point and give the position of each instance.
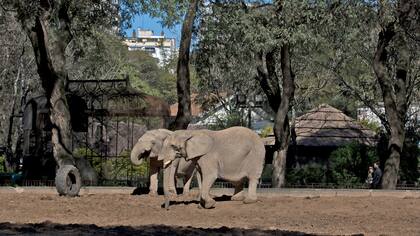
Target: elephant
(233, 154)
(149, 145)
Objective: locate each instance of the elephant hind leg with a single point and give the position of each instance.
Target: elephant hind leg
(188, 179)
(252, 191)
(187, 184)
(239, 191)
(205, 200)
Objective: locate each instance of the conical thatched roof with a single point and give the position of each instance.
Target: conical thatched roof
(328, 126)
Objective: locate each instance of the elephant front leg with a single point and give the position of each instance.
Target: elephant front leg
(153, 188)
(252, 191)
(205, 200)
(172, 173)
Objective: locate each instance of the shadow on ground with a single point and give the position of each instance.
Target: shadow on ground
(145, 190)
(48, 228)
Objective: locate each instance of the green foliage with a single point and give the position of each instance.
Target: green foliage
(371, 125)
(106, 57)
(232, 38)
(113, 168)
(349, 164)
(267, 131)
(94, 158)
(2, 164)
(141, 170)
(409, 165)
(310, 173)
(232, 119)
(410, 157)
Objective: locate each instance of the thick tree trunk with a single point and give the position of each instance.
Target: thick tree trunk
(394, 90)
(61, 130)
(280, 103)
(278, 178)
(49, 40)
(183, 116)
(281, 125)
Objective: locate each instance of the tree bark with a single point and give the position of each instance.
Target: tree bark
(49, 40)
(183, 116)
(280, 102)
(394, 90)
(281, 125)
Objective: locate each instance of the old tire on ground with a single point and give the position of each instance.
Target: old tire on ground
(68, 181)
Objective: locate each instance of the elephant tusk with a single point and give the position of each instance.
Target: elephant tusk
(166, 163)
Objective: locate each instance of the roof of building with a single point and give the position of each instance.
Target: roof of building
(328, 126)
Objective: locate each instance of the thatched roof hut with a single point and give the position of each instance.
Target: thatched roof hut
(328, 126)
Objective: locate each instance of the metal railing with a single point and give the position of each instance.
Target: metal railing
(144, 183)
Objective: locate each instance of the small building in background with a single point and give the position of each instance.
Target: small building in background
(158, 46)
(212, 112)
(321, 131)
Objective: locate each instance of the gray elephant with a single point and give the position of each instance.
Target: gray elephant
(233, 154)
(149, 145)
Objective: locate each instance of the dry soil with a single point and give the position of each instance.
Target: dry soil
(124, 214)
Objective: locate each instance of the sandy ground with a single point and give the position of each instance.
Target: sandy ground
(125, 214)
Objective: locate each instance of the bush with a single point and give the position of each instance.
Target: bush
(232, 119)
(2, 164)
(410, 156)
(349, 164)
(112, 168)
(91, 156)
(409, 164)
(267, 131)
(311, 173)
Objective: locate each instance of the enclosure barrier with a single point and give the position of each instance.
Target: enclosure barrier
(144, 183)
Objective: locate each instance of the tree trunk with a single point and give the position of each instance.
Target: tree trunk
(394, 90)
(281, 125)
(183, 116)
(49, 40)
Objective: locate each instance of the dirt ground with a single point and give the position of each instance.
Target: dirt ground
(124, 214)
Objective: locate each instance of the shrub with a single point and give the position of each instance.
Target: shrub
(410, 158)
(230, 120)
(349, 164)
(2, 164)
(267, 131)
(310, 173)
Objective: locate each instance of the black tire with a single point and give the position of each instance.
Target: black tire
(68, 181)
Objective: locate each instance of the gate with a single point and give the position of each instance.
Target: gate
(108, 117)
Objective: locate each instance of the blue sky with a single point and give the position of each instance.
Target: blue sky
(147, 22)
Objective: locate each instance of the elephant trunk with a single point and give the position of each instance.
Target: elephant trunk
(140, 151)
(136, 158)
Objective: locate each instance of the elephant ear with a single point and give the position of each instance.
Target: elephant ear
(198, 145)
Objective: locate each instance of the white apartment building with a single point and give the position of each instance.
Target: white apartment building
(413, 115)
(158, 46)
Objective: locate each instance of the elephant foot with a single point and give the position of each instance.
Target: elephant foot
(239, 197)
(185, 191)
(250, 200)
(172, 192)
(208, 203)
(153, 193)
